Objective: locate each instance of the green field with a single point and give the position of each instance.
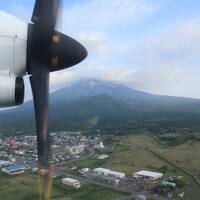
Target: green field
(24, 187)
(129, 154)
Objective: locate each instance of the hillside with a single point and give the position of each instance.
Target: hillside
(112, 108)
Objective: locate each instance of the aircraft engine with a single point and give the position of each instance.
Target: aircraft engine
(11, 91)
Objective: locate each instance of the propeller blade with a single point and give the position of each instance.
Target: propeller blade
(44, 18)
(40, 89)
(46, 13)
(47, 51)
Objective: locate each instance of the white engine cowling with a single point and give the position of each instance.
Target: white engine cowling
(11, 91)
(13, 44)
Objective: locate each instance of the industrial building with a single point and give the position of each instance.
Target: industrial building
(148, 175)
(108, 173)
(16, 169)
(71, 182)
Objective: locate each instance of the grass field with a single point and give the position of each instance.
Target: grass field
(188, 155)
(128, 154)
(24, 187)
(87, 192)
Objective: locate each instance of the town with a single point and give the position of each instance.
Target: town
(18, 154)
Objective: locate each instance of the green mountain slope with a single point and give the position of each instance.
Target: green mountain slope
(109, 107)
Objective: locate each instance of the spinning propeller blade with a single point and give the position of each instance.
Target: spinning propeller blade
(48, 51)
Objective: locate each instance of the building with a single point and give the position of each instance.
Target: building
(148, 175)
(35, 170)
(15, 145)
(108, 173)
(102, 157)
(76, 149)
(83, 171)
(5, 163)
(168, 184)
(100, 145)
(16, 169)
(140, 197)
(71, 182)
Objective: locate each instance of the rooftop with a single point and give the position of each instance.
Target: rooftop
(13, 168)
(149, 174)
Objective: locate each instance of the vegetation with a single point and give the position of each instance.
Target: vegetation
(130, 154)
(133, 112)
(24, 187)
(126, 154)
(87, 192)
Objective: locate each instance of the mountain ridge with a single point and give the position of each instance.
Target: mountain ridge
(94, 104)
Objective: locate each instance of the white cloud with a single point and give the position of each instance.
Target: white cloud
(20, 12)
(105, 15)
(165, 63)
(96, 24)
(95, 42)
(67, 77)
(169, 62)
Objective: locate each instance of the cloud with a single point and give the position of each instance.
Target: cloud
(21, 12)
(122, 48)
(67, 77)
(105, 15)
(98, 25)
(169, 62)
(94, 41)
(165, 63)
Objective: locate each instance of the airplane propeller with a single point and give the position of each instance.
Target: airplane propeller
(48, 51)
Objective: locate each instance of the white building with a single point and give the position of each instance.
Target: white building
(141, 197)
(102, 157)
(84, 171)
(71, 182)
(35, 169)
(108, 172)
(148, 174)
(100, 145)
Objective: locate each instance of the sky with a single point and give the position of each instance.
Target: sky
(149, 45)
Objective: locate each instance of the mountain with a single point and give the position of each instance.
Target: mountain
(96, 87)
(142, 100)
(93, 104)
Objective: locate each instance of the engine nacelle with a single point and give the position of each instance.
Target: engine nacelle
(11, 91)
(13, 44)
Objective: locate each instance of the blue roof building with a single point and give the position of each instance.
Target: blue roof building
(16, 169)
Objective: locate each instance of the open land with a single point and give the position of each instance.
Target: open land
(127, 154)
